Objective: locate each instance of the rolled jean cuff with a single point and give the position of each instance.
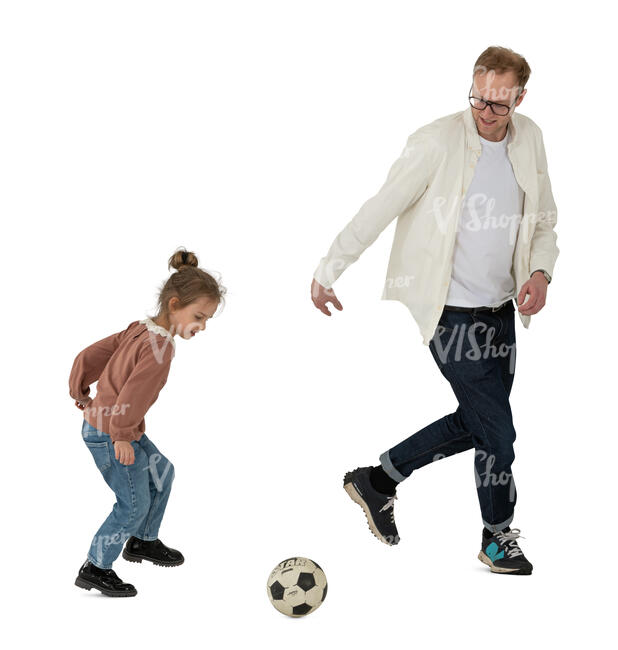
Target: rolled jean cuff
(389, 468)
(496, 528)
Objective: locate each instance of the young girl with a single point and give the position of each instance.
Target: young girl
(131, 367)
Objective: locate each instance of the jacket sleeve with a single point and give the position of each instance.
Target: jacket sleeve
(141, 389)
(406, 182)
(543, 249)
(89, 364)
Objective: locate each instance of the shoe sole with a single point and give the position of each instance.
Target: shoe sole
(138, 558)
(353, 493)
(498, 569)
(84, 584)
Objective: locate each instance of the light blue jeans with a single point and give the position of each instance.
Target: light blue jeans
(142, 490)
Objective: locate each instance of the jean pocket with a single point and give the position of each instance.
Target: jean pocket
(101, 455)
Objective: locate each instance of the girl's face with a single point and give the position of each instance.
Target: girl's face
(189, 320)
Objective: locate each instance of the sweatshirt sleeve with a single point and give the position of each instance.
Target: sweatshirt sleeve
(140, 390)
(89, 364)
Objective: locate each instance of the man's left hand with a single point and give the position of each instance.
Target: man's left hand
(536, 286)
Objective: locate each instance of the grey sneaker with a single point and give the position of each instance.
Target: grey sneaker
(378, 507)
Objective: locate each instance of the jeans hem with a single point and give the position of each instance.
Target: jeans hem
(496, 528)
(92, 561)
(389, 468)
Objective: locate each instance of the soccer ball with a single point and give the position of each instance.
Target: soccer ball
(297, 586)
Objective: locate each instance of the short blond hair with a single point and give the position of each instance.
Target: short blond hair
(501, 60)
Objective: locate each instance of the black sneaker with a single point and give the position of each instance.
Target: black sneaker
(378, 507)
(501, 553)
(105, 580)
(154, 551)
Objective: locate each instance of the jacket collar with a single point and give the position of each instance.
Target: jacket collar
(473, 140)
(157, 329)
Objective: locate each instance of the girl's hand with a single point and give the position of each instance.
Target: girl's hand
(125, 453)
(82, 405)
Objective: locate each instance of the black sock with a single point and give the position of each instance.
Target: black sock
(95, 569)
(381, 481)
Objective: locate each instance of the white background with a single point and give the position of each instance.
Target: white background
(251, 133)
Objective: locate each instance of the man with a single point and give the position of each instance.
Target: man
(475, 229)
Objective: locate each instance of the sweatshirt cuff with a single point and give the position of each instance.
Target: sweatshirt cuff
(82, 398)
(122, 438)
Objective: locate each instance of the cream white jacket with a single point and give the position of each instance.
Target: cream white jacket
(424, 189)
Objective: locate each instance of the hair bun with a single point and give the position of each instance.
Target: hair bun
(182, 258)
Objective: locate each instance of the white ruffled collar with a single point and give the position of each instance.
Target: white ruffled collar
(157, 329)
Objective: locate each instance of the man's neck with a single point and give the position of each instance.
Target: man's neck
(496, 138)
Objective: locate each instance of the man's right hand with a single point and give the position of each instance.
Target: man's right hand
(321, 295)
(125, 453)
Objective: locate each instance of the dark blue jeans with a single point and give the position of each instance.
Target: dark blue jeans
(476, 352)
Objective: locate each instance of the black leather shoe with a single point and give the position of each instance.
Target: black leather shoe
(105, 580)
(155, 551)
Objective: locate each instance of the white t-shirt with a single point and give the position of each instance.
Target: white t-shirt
(487, 232)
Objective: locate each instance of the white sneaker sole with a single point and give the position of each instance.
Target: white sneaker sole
(495, 569)
(355, 496)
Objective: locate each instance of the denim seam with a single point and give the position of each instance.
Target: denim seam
(153, 505)
(442, 444)
(133, 496)
(123, 529)
(463, 389)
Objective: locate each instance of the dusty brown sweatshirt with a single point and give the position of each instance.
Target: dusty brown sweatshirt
(131, 367)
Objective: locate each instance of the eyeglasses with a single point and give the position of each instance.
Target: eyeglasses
(497, 109)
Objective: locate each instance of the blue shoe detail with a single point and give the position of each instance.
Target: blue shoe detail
(492, 554)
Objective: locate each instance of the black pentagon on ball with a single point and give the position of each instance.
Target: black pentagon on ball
(306, 581)
(324, 593)
(299, 610)
(276, 590)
